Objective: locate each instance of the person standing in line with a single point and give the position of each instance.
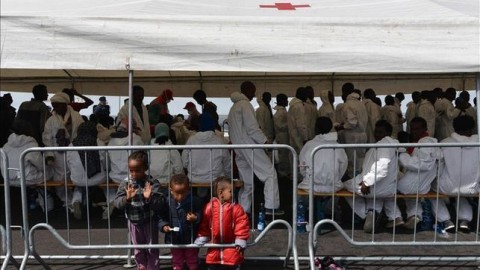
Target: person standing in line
(327, 109)
(280, 121)
(207, 106)
(36, 112)
(412, 108)
(297, 122)
(244, 129)
(373, 111)
(224, 222)
(311, 111)
(193, 120)
(446, 112)
(140, 113)
(139, 195)
(393, 115)
(159, 107)
(265, 117)
(426, 110)
(354, 130)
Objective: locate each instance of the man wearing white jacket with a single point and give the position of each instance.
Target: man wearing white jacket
(297, 120)
(375, 186)
(329, 164)
(393, 115)
(459, 173)
(446, 112)
(421, 169)
(280, 121)
(373, 112)
(327, 109)
(243, 129)
(265, 117)
(204, 165)
(60, 129)
(426, 110)
(354, 130)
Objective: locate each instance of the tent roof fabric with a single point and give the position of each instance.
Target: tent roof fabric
(218, 37)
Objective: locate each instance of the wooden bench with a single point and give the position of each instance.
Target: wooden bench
(70, 184)
(346, 193)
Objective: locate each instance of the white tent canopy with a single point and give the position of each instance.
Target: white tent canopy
(398, 45)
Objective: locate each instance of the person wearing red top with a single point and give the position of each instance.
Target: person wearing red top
(159, 106)
(224, 222)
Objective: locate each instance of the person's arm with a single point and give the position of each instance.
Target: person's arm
(120, 200)
(156, 200)
(379, 169)
(87, 102)
(241, 226)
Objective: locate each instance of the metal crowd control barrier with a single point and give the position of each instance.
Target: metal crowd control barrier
(30, 250)
(6, 233)
(400, 241)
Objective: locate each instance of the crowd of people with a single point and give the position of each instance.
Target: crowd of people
(375, 174)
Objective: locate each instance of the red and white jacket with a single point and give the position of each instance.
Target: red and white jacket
(224, 223)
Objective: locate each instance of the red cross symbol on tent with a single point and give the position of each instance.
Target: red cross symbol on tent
(284, 6)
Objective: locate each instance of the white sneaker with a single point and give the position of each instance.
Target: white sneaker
(41, 201)
(107, 210)
(77, 210)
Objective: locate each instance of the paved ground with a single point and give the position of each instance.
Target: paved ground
(272, 246)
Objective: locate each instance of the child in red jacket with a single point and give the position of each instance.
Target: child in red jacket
(224, 222)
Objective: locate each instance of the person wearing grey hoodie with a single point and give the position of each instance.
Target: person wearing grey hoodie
(280, 121)
(205, 165)
(244, 129)
(297, 120)
(327, 109)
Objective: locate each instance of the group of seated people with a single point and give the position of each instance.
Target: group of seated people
(453, 171)
(91, 168)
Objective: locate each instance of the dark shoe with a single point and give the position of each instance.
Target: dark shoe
(448, 226)
(464, 226)
(276, 212)
(412, 222)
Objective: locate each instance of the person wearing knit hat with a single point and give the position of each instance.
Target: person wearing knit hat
(164, 163)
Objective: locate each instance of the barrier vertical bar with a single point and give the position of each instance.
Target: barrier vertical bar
(130, 140)
(8, 221)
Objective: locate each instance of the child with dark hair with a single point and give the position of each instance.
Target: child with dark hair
(180, 222)
(140, 197)
(224, 222)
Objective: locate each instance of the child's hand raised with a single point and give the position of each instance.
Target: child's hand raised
(147, 190)
(131, 191)
(191, 217)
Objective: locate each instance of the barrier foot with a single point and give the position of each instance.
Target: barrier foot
(129, 263)
(11, 260)
(40, 260)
